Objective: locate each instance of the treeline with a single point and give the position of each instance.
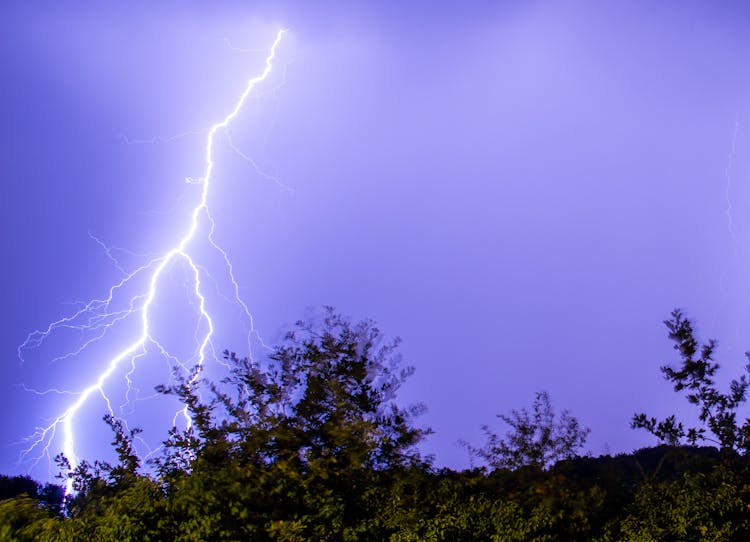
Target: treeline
(664, 493)
(310, 445)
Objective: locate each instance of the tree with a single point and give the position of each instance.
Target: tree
(696, 507)
(295, 448)
(100, 479)
(25, 519)
(325, 392)
(535, 439)
(49, 494)
(695, 376)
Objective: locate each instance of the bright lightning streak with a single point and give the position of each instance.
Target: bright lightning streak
(100, 320)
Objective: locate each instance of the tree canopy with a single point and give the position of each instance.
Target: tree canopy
(535, 439)
(310, 444)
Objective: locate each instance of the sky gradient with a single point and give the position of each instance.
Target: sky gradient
(521, 191)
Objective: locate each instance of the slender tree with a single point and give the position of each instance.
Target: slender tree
(717, 411)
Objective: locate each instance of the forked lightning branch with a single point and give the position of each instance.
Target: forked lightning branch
(98, 315)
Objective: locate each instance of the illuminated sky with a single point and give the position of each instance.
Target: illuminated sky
(521, 192)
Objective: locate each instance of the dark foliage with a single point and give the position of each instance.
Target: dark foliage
(695, 376)
(311, 446)
(49, 495)
(536, 439)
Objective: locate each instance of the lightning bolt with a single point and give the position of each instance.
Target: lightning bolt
(728, 186)
(729, 214)
(97, 317)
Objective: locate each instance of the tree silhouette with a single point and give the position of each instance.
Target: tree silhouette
(695, 376)
(535, 438)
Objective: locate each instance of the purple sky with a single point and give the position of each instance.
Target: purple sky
(521, 192)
